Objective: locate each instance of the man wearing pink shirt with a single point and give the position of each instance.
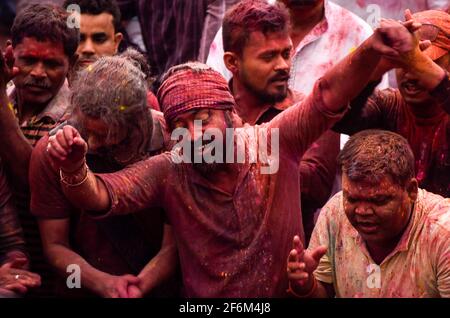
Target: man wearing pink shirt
(382, 236)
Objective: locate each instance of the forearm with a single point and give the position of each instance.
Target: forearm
(85, 190)
(162, 266)
(60, 257)
(348, 78)
(318, 168)
(428, 72)
(11, 235)
(15, 150)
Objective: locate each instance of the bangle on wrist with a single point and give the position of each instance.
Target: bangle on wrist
(306, 295)
(70, 178)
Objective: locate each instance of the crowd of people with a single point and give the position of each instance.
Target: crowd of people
(224, 148)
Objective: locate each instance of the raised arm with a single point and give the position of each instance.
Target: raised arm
(300, 125)
(15, 149)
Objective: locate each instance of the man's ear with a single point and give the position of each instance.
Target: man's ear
(231, 61)
(118, 37)
(412, 187)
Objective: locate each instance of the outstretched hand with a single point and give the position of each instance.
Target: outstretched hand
(302, 263)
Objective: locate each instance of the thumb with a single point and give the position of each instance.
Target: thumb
(132, 279)
(18, 262)
(423, 45)
(318, 253)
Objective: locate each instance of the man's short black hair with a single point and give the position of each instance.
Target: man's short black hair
(95, 7)
(45, 22)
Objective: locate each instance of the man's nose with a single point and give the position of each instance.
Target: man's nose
(39, 71)
(282, 64)
(364, 209)
(87, 48)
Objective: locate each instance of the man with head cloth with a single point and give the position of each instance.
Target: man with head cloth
(235, 209)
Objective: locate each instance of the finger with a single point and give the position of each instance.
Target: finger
(298, 276)
(17, 287)
(297, 243)
(423, 45)
(18, 262)
(56, 146)
(122, 288)
(296, 266)
(55, 156)
(62, 141)
(408, 15)
(134, 292)
(78, 141)
(386, 50)
(132, 279)
(319, 252)
(293, 256)
(69, 134)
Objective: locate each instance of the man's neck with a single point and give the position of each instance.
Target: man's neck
(304, 20)
(26, 110)
(248, 106)
(226, 177)
(427, 110)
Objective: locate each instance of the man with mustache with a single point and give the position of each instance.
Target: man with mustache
(258, 53)
(232, 225)
(416, 110)
(322, 34)
(37, 61)
(382, 236)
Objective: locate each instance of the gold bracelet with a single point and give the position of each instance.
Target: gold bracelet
(66, 183)
(308, 294)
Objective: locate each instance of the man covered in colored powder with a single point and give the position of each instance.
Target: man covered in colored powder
(419, 109)
(382, 236)
(233, 222)
(37, 62)
(258, 53)
(126, 256)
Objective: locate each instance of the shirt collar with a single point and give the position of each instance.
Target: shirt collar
(318, 30)
(55, 108)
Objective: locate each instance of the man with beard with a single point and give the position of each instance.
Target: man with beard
(125, 256)
(417, 109)
(258, 54)
(38, 61)
(322, 34)
(234, 223)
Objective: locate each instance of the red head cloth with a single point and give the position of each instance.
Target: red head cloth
(436, 28)
(193, 86)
